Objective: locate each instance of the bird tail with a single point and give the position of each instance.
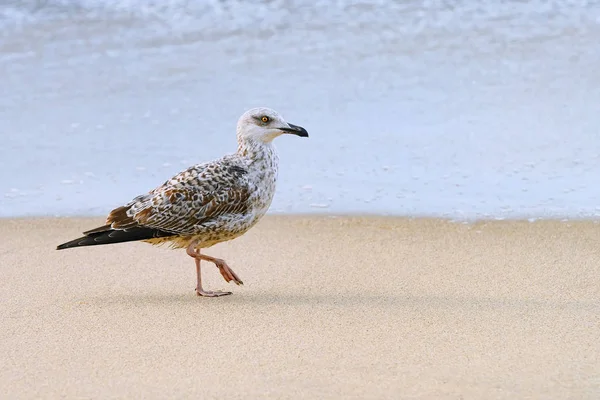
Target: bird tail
(107, 235)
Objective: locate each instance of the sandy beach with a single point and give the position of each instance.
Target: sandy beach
(332, 307)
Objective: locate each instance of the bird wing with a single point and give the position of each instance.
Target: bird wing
(192, 198)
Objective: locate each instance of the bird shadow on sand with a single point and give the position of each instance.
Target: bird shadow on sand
(336, 300)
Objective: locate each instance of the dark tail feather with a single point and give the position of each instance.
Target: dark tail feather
(106, 235)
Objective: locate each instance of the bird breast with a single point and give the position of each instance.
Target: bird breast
(262, 177)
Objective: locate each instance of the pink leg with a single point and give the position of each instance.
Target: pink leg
(226, 272)
(202, 292)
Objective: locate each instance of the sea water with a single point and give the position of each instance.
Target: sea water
(458, 109)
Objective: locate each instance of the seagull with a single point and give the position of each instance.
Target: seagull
(207, 203)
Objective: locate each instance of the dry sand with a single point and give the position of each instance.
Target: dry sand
(352, 308)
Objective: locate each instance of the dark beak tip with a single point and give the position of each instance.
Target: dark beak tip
(297, 130)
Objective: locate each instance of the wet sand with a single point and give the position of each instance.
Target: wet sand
(365, 308)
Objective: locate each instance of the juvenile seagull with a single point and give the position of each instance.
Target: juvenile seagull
(208, 203)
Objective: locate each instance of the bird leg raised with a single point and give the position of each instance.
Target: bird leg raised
(226, 272)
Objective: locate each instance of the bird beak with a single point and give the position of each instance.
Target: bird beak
(295, 130)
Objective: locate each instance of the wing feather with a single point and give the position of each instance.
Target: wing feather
(195, 197)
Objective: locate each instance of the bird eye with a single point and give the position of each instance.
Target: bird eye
(265, 119)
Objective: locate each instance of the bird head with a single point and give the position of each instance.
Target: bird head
(263, 125)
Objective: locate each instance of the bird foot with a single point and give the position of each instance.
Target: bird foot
(208, 293)
(227, 272)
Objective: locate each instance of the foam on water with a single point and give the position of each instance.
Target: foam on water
(463, 110)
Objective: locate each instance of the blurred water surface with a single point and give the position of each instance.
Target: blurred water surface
(463, 109)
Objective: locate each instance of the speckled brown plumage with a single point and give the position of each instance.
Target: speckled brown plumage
(207, 203)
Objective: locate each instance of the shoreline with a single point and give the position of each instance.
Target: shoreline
(355, 215)
(344, 307)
